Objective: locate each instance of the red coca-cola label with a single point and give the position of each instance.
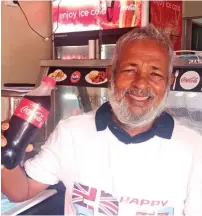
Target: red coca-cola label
(31, 112)
(189, 80)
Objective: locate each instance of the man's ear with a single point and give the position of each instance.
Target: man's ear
(109, 72)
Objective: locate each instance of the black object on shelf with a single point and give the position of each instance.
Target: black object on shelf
(19, 85)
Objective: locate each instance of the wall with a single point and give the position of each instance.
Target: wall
(192, 8)
(22, 49)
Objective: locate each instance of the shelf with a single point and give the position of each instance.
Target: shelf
(81, 38)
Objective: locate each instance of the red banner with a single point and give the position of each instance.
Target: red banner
(167, 15)
(88, 15)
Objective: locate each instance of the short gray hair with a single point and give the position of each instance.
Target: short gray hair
(143, 33)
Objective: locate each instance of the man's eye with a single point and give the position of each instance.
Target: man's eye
(130, 70)
(156, 74)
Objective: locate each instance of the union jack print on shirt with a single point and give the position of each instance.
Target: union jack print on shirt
(108, 205)
(81, 192)
(87, 197)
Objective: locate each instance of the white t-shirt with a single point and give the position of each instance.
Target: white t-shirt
(104, 176)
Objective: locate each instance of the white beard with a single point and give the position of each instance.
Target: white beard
(130, 119)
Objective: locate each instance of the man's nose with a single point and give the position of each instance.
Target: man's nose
(140, 81)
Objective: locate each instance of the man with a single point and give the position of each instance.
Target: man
(129, 157)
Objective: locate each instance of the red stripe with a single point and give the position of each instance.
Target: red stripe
(110, 205)
(78, 193)
(106, 211)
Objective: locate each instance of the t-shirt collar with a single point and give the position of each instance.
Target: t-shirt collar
(163, 126)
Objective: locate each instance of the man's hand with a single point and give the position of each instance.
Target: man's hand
(4, 127)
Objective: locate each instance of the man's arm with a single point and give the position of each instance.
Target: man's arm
(43, 171)
(17, 186)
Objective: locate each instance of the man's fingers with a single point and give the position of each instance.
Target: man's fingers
(4, 126)
(29, 148)
(3, 141)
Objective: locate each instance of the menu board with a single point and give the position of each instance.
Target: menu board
(88, 77)
(167, 15)
(86, 15)
(187, 79)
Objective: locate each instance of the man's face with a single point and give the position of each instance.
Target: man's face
(141, 80)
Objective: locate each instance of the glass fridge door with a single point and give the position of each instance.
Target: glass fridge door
(69, 101)
(186, 107)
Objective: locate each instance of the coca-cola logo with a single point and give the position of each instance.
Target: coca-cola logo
(31, 112)
(189, 80)
(38, 116)
(75, 77)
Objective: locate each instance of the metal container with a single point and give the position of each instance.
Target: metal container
(107, 51)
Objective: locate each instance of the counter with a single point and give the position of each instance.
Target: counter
(48, 202)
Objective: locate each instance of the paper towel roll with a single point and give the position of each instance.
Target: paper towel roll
(91, 49)
(97, 49)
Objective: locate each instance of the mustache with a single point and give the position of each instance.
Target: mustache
(139, 92)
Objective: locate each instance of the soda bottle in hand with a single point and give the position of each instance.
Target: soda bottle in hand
(4, 127)
(28, 118)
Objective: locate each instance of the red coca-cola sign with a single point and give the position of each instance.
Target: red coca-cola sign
(31, 112)
(189, 80)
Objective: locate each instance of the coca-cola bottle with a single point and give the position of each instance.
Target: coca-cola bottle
(28, 118)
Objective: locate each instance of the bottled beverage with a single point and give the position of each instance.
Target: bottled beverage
(28, 118)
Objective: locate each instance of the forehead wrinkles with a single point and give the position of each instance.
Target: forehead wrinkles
(152, 51)
(143, 47)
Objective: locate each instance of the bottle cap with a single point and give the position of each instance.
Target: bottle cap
(49, 80)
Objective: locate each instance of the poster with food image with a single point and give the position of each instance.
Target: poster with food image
(96, 77)
(58, 75)
(82, 76)
(167, 15)
(86, 15)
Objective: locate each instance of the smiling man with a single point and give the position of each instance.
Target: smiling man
(141, 79)
(129, 157)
